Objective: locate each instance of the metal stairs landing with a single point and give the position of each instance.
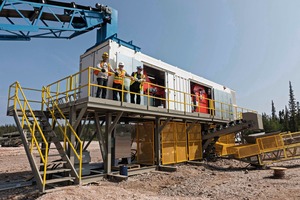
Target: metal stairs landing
(51, 166)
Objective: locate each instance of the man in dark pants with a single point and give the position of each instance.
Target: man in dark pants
(136, 85)
(102, 75)
(120, 74)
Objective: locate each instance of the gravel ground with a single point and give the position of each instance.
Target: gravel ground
(223, 179)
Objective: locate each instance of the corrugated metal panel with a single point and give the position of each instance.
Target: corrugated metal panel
(170, 93)
(180, 93)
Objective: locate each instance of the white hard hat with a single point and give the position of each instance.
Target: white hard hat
(121, 63)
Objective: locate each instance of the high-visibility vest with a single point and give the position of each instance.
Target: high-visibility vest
(119, 79)
(135, 77)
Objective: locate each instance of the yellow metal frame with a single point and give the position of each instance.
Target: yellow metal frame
(194, 137)
(165, 143)
(48, 100)
(21, 103)
(18, 97)
(268, 149)
(270, 143)
(141, 140)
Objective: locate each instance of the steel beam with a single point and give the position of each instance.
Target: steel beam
(107, 164)
(191, 126)
(101, 138)
(78, 119)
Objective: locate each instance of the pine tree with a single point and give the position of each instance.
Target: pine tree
(292, 111)
(286, 120)
(281, 117)
(298, 112)
(274, 117)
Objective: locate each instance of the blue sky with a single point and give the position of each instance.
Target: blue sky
(252, 47)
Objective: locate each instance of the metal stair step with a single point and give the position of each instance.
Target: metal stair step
(48, 148)
(54, 163)
(57, 180)
(54, 171)
(54, 155)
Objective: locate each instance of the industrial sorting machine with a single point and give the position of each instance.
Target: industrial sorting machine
(180, 118)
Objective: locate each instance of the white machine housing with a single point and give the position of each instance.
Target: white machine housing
(174, 77)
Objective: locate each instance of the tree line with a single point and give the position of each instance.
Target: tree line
(8, 128)
(288, 119)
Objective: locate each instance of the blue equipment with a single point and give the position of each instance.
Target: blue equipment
(26, 19)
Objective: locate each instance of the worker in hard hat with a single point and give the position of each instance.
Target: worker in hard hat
(118, 84)
(102, 75)
(136, 85)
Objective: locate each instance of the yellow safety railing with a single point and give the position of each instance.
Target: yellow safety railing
(71, 86)
(53, 108)
(21, 104)
(270, 143)
(290, 138)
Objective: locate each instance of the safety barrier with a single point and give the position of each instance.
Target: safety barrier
(173, 142)
(145, 143)
(290, 138)
(195, 143)
(70, 88)
(244, 150)
(270, 143)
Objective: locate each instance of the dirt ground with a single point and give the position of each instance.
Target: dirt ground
(223, 179)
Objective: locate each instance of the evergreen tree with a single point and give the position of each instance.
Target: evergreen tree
(292, 111)
(298, 113)
(286, 120)
(281, 117)
(274, 117)
(7, 128)
(270, 125)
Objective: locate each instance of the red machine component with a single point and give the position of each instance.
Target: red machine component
(154, 90)
(200, 99)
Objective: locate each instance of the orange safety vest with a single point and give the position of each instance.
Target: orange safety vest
(135, 76)
(119, 79)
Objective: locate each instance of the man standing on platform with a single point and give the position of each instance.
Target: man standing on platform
(118, 84)
(136, 85)
(102, 75)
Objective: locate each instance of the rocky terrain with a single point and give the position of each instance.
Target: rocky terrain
(223, 179)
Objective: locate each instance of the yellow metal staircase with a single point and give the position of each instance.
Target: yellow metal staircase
(46, 126)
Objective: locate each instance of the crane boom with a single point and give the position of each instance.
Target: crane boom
(26, 19)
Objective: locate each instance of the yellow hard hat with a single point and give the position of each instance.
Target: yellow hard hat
(105, 55)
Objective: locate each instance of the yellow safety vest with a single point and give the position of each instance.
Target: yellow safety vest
(135, 77)
(119, 79)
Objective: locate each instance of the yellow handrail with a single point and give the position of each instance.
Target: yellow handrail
(32, 127)
(73, 86)
(52, 110)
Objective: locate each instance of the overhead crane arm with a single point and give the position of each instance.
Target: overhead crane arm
(26, 19)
